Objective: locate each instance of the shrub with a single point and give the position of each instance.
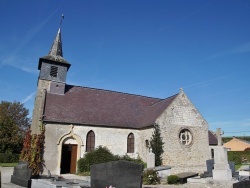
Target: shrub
(150, 177)
(234, 156)
(100, 155)
(9, 158)
(173, 179)
(127, 158)
(156, 144)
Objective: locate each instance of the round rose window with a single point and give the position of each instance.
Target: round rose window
(185, 137)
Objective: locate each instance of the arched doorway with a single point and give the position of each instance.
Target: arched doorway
(69, 150)
(69, 156)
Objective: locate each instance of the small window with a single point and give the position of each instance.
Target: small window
(130, 143)
(212, 153)
(185, 137)
(53, 71)
(90, 141)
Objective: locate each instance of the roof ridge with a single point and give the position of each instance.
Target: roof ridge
(164, 99)
(246, 141)
(116, 92)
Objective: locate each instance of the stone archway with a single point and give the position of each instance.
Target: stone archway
(69, 147)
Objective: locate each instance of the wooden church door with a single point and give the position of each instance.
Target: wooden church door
(68, 159)
(73, 159)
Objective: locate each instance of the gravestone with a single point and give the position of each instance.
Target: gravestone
(22, 174)
(150, 159)
(232, 167)
(119, 174)
(242, 184)
(210, 167)
(219, 137)
(221, 167)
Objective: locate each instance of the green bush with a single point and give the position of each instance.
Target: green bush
(9, 158)
(127, 158)
(173, 179)
(150, 177)
(100, 155)
(236, 156)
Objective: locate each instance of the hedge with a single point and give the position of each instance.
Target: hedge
(9, 157)
(237, 156)
(173, 179)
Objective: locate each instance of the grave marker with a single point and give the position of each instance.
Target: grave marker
(119, 174)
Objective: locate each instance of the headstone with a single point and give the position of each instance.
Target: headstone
(221, 167)
(242, 184)
(210, 167)
(118, 174)
(150, 159)
(22, 174)
(218, 135)
(232, 167)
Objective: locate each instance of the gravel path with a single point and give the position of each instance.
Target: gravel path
(6, 173)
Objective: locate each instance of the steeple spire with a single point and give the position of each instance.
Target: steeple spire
(56, 48)
(56, 52)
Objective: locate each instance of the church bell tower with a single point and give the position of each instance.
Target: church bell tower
(52, 79)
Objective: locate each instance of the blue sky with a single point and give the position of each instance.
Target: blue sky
(145, 47)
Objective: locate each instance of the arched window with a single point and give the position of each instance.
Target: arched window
(130, 143)
(90, 141)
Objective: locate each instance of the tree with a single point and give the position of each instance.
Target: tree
(156, 145)
(14, 122)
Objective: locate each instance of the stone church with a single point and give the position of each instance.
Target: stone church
(79, 119)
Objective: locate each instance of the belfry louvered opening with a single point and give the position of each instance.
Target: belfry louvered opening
(53, 71)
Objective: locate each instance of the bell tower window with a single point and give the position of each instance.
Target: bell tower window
(54, 71)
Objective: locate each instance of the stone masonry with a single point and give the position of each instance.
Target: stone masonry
(182, 114)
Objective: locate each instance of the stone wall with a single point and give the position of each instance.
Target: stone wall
(42, 87)
(182, 114)
(114, 139)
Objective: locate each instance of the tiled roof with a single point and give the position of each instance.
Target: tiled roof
(212, 139)
(82, 105)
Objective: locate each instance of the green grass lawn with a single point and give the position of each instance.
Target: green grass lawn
(8, 164)
(237, 166)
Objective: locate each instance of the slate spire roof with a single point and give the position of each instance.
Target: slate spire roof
(56, 48)
(56, 52)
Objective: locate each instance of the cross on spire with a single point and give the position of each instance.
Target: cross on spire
(62, 17)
